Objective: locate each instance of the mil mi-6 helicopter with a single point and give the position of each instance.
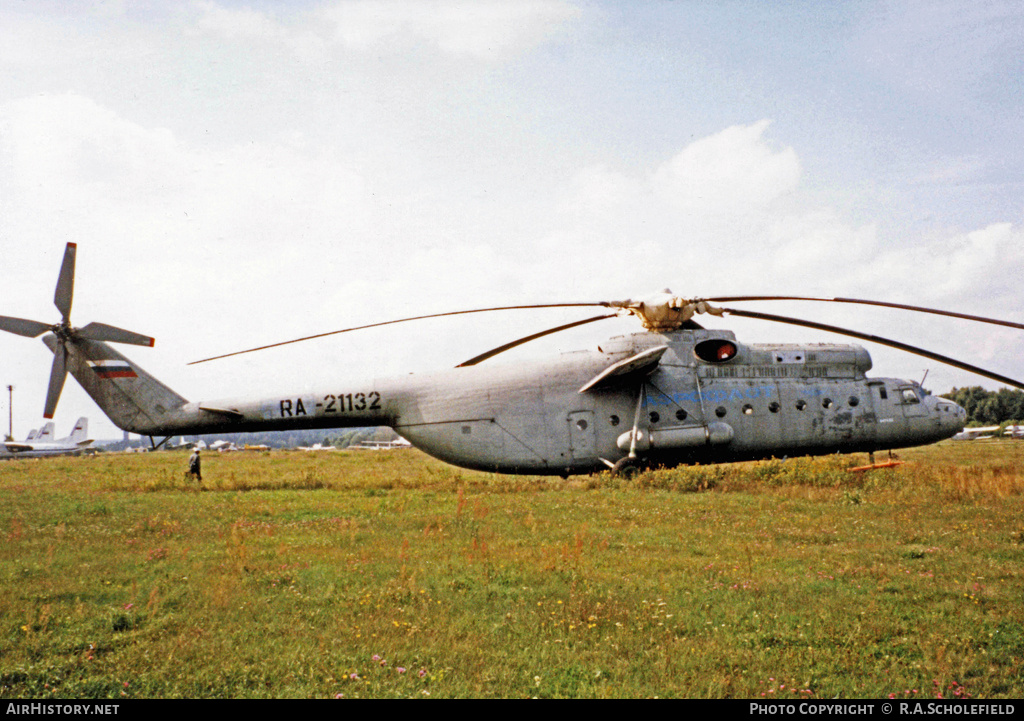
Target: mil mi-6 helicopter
(674, 393)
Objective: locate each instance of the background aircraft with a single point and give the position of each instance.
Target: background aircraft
(974, 434)
(982, 432)
(44, 445)
(44, 434)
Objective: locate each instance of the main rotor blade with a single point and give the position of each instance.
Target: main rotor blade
(400, 320)
(877, 339)
(104, 332)
(915, 308)
(57, 375)
(22, 326)
(65, 291)
(508, 346)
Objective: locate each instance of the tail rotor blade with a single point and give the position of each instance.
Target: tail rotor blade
(22, 326)
(66, 282)
(104, 332)
(57, 375)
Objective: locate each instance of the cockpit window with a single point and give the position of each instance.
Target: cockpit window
(909, 396)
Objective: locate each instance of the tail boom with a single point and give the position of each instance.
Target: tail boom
(137, 402)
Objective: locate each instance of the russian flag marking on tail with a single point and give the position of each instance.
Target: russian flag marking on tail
(112, 369)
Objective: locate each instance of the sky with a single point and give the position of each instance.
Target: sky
(242, 173)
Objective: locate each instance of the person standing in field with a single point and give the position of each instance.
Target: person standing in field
(193, 466)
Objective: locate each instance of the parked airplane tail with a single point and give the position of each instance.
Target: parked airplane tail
(45, 433)
(80, 432)
(129, 396)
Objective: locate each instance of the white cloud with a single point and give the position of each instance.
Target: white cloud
(74, 170)
(58, 142)
(600, 190)
(724, 181)
(722, 204)
(733, 171)
(474, 29)
(482, 29)
(981, 266)
(236, 23)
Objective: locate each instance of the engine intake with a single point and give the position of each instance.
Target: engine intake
(716, 350)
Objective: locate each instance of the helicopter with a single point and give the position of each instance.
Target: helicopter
(674, 393)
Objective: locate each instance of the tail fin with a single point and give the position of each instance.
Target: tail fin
(129, 396)
(46, 432)
(31, 435)
(80, 431)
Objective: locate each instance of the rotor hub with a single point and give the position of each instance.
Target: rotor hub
(663, 312)
(63, 331)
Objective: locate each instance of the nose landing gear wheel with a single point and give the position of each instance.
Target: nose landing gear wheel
(626, 468)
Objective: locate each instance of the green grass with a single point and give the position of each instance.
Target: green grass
(286, 574)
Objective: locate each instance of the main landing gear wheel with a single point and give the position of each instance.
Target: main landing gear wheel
(626, 468)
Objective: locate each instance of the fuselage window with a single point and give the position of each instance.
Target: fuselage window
(800, 405)
(680, 415)
(720, 411)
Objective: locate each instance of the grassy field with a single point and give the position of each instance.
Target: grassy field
(389, 574)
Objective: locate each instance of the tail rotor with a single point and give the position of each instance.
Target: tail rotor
(66, 333)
